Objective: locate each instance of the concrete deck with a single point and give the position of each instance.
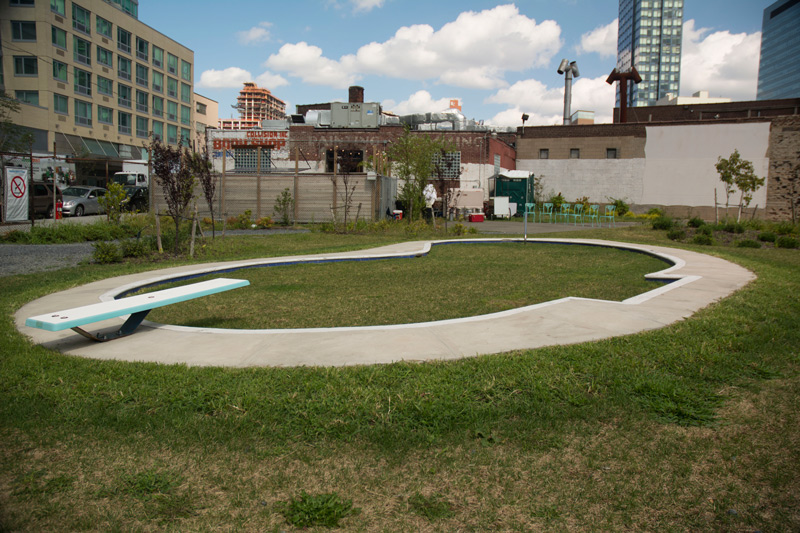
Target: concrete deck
(699, 281)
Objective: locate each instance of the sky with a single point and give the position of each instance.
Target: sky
(413, 56)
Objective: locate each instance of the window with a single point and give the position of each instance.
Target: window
(81, 19)
(105, 86)
(172, 87)
(186, 136)
(158, 82)
(59, 38)
(123, 40)
(611, 153)
(158, 106)
(124, 68)
(172, 64)
(103, 27)
(27, 97)
(82, 51)
(544, 153)
(125, 95)
(186, 70)
(142, 75)
(142, 48)
(105, 57)
(23, 30)
(131, 7)
(26, 66)
(124, 121)
(60, 104)
(141, 101)
(158, 57)
(172, 134)
(60, 71)
(57, 6)
(83, 82)
(83, 113)
(141, 127)
(158, 130)
(172, 110)
(105, 115)
(21, 2)
(200, 108)
(186, 114)
(186, 93)
(574, 153)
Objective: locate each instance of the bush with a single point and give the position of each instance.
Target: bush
(786, 242)
(732, 227)
(676, 234)
(621, 205)
(135, 248)
(243, 221)
(656, 212)
(264, 222)
(784, 228)
(748, 243)
(767, 236)
(106, 252)
(695, 222)
(663, 222)
(703, 239)
(705, 230)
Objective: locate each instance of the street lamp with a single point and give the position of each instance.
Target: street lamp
(570, 70)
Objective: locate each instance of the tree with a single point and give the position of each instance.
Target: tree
(738, 173)
(200, 167)
(172, 170)
(414, 162)
(284, 206)
(113, 201)
(13, 138)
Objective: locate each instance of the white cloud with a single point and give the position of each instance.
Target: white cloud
(366, 5)
(601, 40)
(268, 80)
(221, 79)
(306, 62)
(256, 34)
(419, 102)
(723, 63)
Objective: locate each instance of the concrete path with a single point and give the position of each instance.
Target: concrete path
(699, 281)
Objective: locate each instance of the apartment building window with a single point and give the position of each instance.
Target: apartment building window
(142, 76)
(27, 97)
(105, 115)
(172, 64)
(200, 108)
(611, 153)
(82, 51)
(59, 38)
(103, 27)
(186, 136)
(172, 87)
(544, 153)
(58, 7)
(172, 110)
(142, 49)
(158, 82)
(21, 2)
(23, 30)
(186, 93)
(141, 127)
(123, 40)
(60, 71)
(141, 101)
(83, 113)
(172, 134)
(26, 66)
(105, 86)
(158, 106)
(158, 57)
(574, 153)
(124, 68)
(124, 95)
(186, 114)
(105, 57)
(186, 70)
(124, 123)
(81, 19)
(60, 104)
(158, 130)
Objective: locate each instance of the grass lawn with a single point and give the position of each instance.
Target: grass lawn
(691, 427)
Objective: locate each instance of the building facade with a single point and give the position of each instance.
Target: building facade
(650, 36)
(93, 80)
(206, 115)
(255, 104)
(779, 65)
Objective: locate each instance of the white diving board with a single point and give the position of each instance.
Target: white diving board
(136, 306)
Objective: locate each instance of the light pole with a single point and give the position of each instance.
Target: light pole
(570, 70)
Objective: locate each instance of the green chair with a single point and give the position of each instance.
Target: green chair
(577, 213)
(564, 212)
(593, 213)
(546, 211)
(611, 211)
(530, 209)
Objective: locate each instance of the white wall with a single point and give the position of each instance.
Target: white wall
(599, 179)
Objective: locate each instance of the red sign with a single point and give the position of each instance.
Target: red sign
(18, 187)
(266, 139)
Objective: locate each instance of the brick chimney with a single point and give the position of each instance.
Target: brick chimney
(356, 94)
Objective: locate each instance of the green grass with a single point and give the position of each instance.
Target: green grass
(690, 427)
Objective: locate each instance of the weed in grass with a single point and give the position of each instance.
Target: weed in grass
(433, 507)
(317, 510)
(36, 483)
(149, 483)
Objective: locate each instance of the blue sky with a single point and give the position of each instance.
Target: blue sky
(498, 58)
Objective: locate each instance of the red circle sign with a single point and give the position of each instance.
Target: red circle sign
(18, 187)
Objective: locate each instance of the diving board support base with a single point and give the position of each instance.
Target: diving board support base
(130, 325)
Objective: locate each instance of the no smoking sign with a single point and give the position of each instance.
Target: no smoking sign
(18, 187)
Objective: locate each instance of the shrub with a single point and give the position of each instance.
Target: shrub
(748, 243)
(320, 510)
(784, 228)
(705, 230)
(557, 200)
(112, 202)
(767, 236)
(621, 205)
(663, 222)
(381, 226)
(655, 211)
(284, 206)
(732, 227)
(243, 221)
(135, 248)
(695, 222)
(703, 239)
(676, 234)
(106, 252)
(786, 242)
(415, 228)
(264, 222)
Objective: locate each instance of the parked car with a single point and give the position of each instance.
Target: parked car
(80, 200)
(138, 198)
(43, 199)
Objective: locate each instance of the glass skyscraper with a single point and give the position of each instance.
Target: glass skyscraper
(650, 34)
(779, 66)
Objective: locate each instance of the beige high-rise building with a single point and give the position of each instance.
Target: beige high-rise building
(92, 79)
(255, 104)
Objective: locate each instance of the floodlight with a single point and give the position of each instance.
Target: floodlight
(563, 66)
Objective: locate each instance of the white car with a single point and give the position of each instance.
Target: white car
(80, 200)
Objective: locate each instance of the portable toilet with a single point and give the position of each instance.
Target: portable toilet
(513, 184)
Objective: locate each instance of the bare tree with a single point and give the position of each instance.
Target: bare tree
(200, 166)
